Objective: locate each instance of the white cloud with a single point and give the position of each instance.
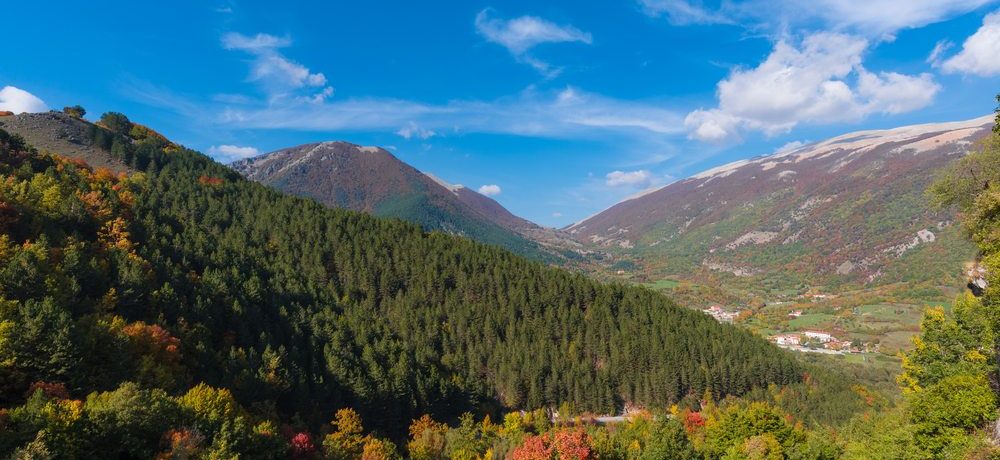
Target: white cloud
(412, 130)
(569, 113)
(712, 126)
(490, 190)
(521, 34)
(682, 12)
(980, 53)
(17, 100)
(635, 179)
(889, 16)
(872, 18)
(557, 214)
(893, 93)
(279, 76)
(807, 83)
(257, 43)
(228, 153)
(789, 146)
(941, 47)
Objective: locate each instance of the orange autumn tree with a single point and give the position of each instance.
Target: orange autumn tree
(568, 444)
(158, 353)
(346, 442)
(427, 438)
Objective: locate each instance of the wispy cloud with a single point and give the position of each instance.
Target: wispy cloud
(230, 153)
(520, 35)
(683, 12)
(870, 18)
(565, 113)
(634, 179)
(790, 145)
(279, 76)
(940, 48)
(17, 100)
(256, 44)
(412, 130)
(980, 52)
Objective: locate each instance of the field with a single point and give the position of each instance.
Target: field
(811, 320)
(882, 319)
(662, 285)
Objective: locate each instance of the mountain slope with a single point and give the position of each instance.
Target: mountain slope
(850, 209)
(372, 180)
(60, 133)
(190, 273)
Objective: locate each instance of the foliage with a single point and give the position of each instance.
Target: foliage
(167, 279)
(947, 411)
(210, 407)
(960, 344)
(996, 126)
(737, 430)
(127, 418)
(948, 374)
(117, 123)
(427, 438)
(882, 435)
(647, 438)
(347, 441)
(75, 111)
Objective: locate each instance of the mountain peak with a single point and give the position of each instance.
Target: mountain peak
(370, 179)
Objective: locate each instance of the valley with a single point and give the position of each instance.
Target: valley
(640, 230)
(856, 260)
(779, 243)
(796, 347)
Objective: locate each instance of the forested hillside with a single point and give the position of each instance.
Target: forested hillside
(183, 303)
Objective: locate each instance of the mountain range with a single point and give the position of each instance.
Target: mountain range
(838, 214)
(847, 211)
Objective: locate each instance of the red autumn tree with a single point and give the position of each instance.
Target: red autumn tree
(534, 448)
(571, 444)
(302, 446)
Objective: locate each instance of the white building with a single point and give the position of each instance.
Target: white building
(786, 339)
(720, 314)
(821, 336)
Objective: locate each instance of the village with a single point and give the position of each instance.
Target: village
(807, 341)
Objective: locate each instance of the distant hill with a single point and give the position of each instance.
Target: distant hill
(62, 134)
(372, 180)
(850, 210)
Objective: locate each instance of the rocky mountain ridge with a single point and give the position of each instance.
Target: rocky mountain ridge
(847, 209)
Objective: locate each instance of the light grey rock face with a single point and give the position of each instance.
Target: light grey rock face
(60, 134)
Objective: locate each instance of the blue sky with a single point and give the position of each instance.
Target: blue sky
(562, 108)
